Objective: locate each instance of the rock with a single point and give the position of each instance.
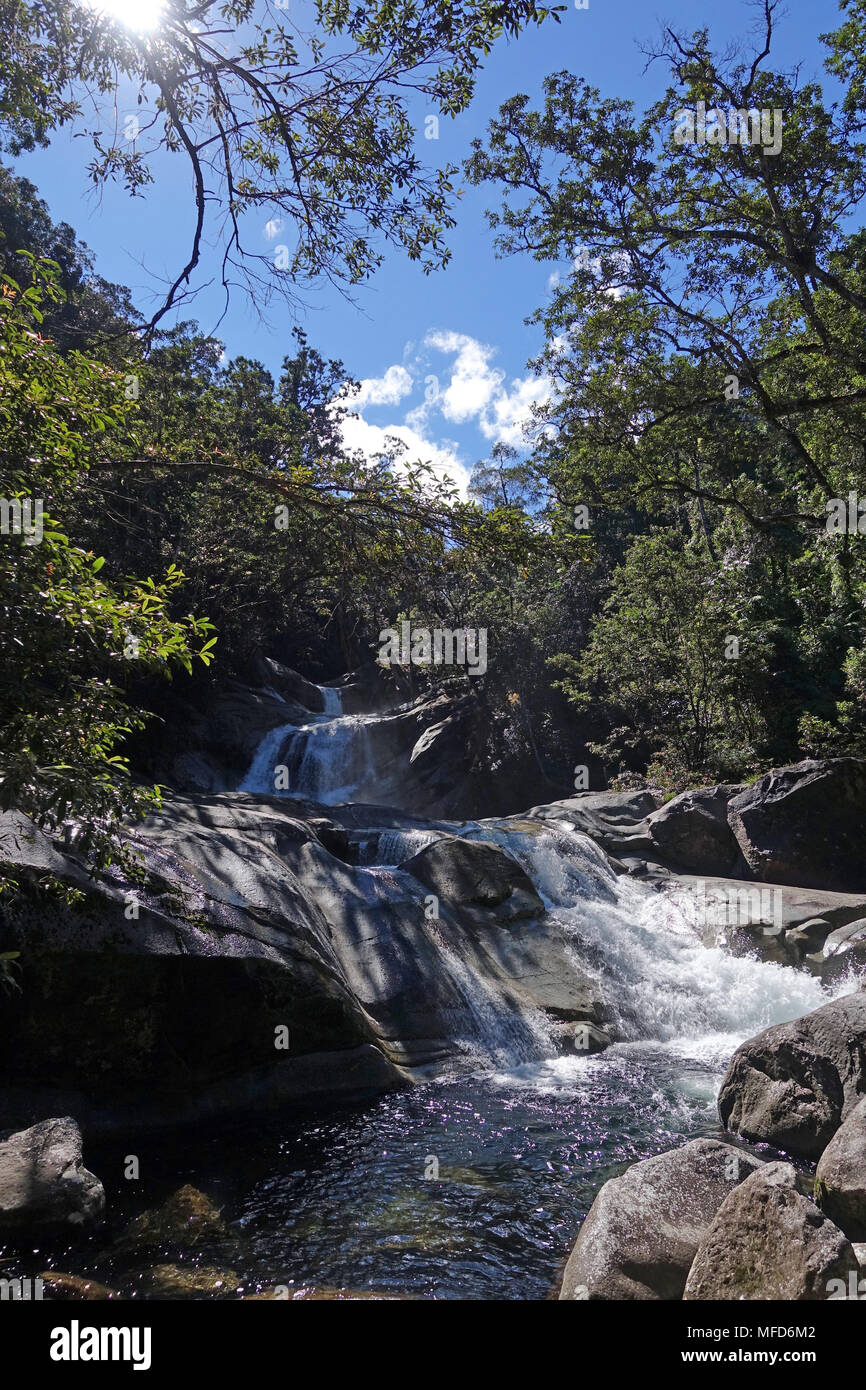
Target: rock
(618, 821)
(74, 1287)
(843, 955)
(267, 673)
(238, 717)
(476, 875)
(769, 1242)
(805, 824)
(643, 1228)
(807, 939)
(692, 831)
(333, 837)
(43, 1181)
(186, 1219)
(840, 1179)
(182, 1281)
(424, 753)
(586, 1038)
(778, 922)
(794, 1084)
(260, 967)
(198, 772)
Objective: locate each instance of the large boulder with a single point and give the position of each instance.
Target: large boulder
(776, 922)
(692, 831)
(805, 824)
(794, 1084)
(840, 1180)
(253, 965)
(616, 820)
(43, 1180)
(643, 1228)
(769, 1242)
(477, 876)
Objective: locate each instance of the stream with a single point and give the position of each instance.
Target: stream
(472, 1185)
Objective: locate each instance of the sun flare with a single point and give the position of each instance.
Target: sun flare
(139, 15)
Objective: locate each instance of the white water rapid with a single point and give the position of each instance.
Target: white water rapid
(668, 990)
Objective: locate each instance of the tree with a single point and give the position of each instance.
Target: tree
(311, 129)
(713, 287)
(66, 632)
(89, 307)
(706, 344)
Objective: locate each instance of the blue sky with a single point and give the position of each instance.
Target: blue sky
(463, 326)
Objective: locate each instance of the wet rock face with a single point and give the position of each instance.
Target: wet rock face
(254, 965)
(794, 1084)
(43, 1181)
(770, 1242)
(476, 875)
(840, 1179)
(643, 1229)
(186, 1219)
(806, 824)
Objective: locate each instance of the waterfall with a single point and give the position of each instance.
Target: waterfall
(327, 759)
(663, 983)
(333, 706)
(260, 773)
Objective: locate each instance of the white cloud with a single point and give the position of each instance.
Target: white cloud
(509, 414)
(477, 390)
(473, 381)
(383, 390)
(273, 228)
(468, 389)
(372, 441)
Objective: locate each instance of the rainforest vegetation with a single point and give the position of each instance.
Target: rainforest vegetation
(664, 597)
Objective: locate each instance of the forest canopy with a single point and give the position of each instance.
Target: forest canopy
(665, 595)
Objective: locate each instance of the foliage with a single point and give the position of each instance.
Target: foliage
(311, 129)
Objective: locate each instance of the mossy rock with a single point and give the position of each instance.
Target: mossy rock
(187, 1219)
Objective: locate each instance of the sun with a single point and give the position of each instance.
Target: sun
(139, 15)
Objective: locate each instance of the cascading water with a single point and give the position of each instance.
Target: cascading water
(523, 1143)
(664, 984)
(327, 759)
(330, 760)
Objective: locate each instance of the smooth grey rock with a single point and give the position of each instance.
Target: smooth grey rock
(840, 1179)
(794, 1084)
(692, 830)
(617, 821)
(643, 1228)
(476, 874)
(249, 924)
(43, 1181)
(806, 824)
(769, 1242)
(775, 922)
